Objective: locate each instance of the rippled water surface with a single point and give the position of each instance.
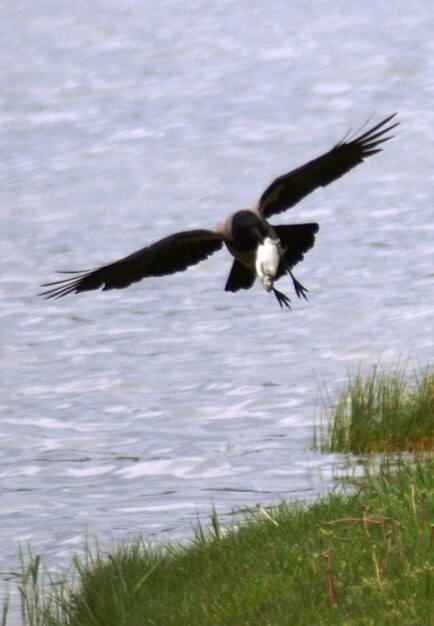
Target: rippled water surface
(138, 410)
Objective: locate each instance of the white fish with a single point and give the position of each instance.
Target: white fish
(267, 262)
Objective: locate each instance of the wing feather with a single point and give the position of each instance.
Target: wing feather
(287, 190)
(167, 256)
(296, 240)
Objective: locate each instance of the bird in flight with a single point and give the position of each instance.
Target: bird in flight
(260, 250)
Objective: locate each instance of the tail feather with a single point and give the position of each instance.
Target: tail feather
(239, 277)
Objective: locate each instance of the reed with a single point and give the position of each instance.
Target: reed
(380, 412)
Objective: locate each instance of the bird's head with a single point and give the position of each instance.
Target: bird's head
(247, 229)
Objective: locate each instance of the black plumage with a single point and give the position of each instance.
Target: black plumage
(243, 232)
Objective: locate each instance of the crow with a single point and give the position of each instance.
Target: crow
(259, 249)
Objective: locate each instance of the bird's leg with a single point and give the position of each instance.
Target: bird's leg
(299, 289)
(282, 299)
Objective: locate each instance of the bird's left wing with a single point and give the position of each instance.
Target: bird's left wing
(167, 256)
(287, 190)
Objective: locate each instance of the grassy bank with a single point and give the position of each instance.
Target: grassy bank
(360, 559)
(380, 412)
(363, 559)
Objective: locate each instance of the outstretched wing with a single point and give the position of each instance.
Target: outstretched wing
(167, 256)
(287, 190)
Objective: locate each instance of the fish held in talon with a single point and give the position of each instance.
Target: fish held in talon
(259, 249)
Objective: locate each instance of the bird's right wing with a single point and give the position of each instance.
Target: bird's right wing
(167, 256)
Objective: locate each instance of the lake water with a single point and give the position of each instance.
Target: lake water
(137, 411)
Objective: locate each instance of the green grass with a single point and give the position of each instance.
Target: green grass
(382, 412)
(364, 559)
(360, 559)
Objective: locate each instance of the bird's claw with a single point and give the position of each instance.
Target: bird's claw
(282, 299)
(300, 290)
